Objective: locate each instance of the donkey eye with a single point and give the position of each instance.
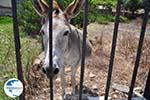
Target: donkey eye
(66, 33)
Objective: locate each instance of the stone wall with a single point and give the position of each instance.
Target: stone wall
(5, 11)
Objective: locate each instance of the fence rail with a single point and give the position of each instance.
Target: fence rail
(138, 56)
(83, 48)
(113, 49)
(51, 47)
(147, 87)
(17, 47)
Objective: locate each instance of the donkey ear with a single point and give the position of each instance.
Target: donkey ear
(42, 7)
(74, 8)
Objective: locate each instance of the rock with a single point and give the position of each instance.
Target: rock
(138, 89)
(67, 69)
(92, 75)
(58, 79)
(97, 98)
(37, 63)
(94, 87)
(115, 96)
(125, 89)
(121, 88)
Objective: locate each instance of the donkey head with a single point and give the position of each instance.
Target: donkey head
(61, 30)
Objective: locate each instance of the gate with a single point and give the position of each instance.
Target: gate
(115, 34)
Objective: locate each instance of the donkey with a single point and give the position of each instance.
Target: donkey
(67, 39)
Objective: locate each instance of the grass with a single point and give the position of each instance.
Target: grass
(30, 48)
(5, 19)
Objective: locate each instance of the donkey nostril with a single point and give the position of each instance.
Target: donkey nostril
(44, 71)
(56, 71)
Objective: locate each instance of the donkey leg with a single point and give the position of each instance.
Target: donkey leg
(63, 83)
(73, 80)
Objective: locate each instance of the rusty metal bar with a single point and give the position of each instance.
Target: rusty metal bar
(111, 61)
(140, 45)
(147, 87)
(17, 47)
(83, 48)
(50, 15)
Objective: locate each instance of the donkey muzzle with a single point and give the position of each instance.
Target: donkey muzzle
(55, 70)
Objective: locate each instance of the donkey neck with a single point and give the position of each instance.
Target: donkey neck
(74, 38)
(73, 52)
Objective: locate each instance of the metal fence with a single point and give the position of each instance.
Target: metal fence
(115, 34)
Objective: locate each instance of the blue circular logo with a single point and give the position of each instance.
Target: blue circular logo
(13, 87)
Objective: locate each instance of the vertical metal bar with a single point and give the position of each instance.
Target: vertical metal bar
(51, 47)
(147, 87)
(83, 48)
(115, 34)
(138, 56)
(17, 47)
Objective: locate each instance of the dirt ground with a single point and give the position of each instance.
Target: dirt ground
(37, 85)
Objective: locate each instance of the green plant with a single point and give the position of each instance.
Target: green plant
(124, 19)
(7, 56)
(64, 3)
(148, 21)
(30, 48)
(29, 21)
(5, 19)
(133, 5)
(109, 3)
(97, 17)
(93, 16)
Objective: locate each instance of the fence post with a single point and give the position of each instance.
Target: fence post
(51, 47)
(111, 61)
(17, 48)
(83, 48)
(140, 45)
(147, 87)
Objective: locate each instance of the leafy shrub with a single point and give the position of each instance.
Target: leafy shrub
(148, 21)
(103, 2)
(5, 19)
(29, 21)
(95, 16)
(124, 19)
(133, 5)
(92, 17)
(64, 3)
